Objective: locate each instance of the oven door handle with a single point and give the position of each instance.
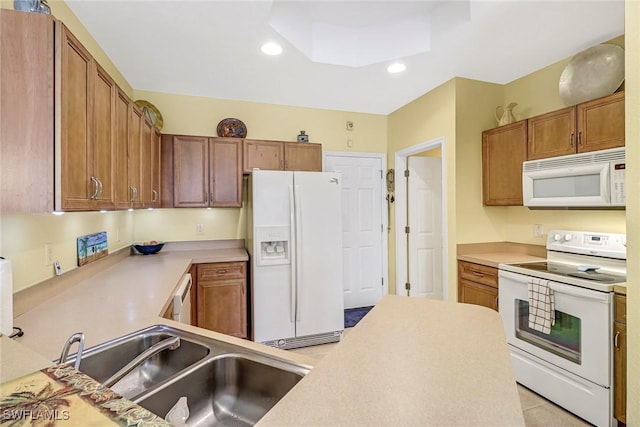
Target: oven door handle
(577, 291)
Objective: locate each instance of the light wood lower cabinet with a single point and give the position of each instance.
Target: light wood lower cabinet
(222, 297)
(478, 284)
(620, 358)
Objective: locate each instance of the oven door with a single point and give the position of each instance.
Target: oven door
(580, 339)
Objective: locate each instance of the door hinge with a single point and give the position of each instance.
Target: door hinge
(381, 176)
(382, 281)
(407, 286)
(406, 173)
(406, 230)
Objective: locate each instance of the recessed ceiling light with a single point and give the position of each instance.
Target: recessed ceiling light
(271, 48)
(396, 68)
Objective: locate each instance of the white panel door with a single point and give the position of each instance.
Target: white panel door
(318, 239)
(425, 219)
(362, 227)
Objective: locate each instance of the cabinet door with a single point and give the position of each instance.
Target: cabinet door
(225, 171)
(75, 113)
(27, 106)
(121, 176)
(601, 123)
(620, 372)
(475, 293)
(146, 164)
(552, 134)
(302, 156)
(190, 171)
(135, 157)
(156, 165)
(221, 298)
(267, 155)
(503, 151)
(101, 144)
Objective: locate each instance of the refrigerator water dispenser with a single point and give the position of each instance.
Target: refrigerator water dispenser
(274, 252)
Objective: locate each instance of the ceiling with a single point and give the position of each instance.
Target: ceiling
(336, 52)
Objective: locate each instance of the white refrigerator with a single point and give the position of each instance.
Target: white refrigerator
(294, 239)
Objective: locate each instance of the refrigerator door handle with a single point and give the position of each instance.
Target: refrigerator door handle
(297, 232)
(292, 251)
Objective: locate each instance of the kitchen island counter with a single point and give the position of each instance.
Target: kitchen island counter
(410, 362)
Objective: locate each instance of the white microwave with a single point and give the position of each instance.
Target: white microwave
(586, 180)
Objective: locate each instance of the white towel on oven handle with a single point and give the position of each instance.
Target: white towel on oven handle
(542, 314)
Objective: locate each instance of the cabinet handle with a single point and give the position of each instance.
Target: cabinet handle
(497, 301)
(100, 187)
(615, 340)
(96, 187)
(221, 272)
(580, 138)
(571, 140)
(134, 193)
(476, 273)
(282, 164)
(155, 196)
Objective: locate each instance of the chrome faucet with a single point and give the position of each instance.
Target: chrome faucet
(168, 343)
(79, 338)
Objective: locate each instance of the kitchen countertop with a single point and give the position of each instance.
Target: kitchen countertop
(417, 351)
(494, 253)
(410, 361)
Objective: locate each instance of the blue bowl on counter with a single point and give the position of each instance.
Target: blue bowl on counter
(148, 249)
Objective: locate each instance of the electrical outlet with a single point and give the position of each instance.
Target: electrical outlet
(199, 228)
(538, 230)
(48, 254)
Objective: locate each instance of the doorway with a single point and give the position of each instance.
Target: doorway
(364, 225)
(421, 258)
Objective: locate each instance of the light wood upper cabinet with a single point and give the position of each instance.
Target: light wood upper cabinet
(27, 105)
(601, 123)
(190, 171)
(302, 157)
(134, 160)
(552, 134)
(225, 172)
(278, 155)
(267, 155)
(206, 172)
(503, 151)
(122, 176)
(590, 126)
(156, 165)
(87, 107)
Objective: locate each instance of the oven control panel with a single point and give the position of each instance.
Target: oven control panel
(608, 245)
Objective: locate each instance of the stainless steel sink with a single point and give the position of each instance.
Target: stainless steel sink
(225, 384)
(104, 360)
(229, 390)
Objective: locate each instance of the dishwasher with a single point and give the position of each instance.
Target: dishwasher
(182, 301)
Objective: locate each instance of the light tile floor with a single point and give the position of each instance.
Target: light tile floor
(537, 411)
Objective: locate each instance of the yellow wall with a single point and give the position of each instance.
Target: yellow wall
(632, 129)
(429, 117)
(24, 237)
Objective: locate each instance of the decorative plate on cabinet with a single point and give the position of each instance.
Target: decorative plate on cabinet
(150, 112)
(232, 128)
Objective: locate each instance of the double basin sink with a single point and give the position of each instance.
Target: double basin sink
(224, 384)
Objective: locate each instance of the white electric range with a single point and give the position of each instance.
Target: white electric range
(572, 365)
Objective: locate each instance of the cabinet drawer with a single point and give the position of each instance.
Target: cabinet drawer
(478, 273)
(221, 271)
(620, 308)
